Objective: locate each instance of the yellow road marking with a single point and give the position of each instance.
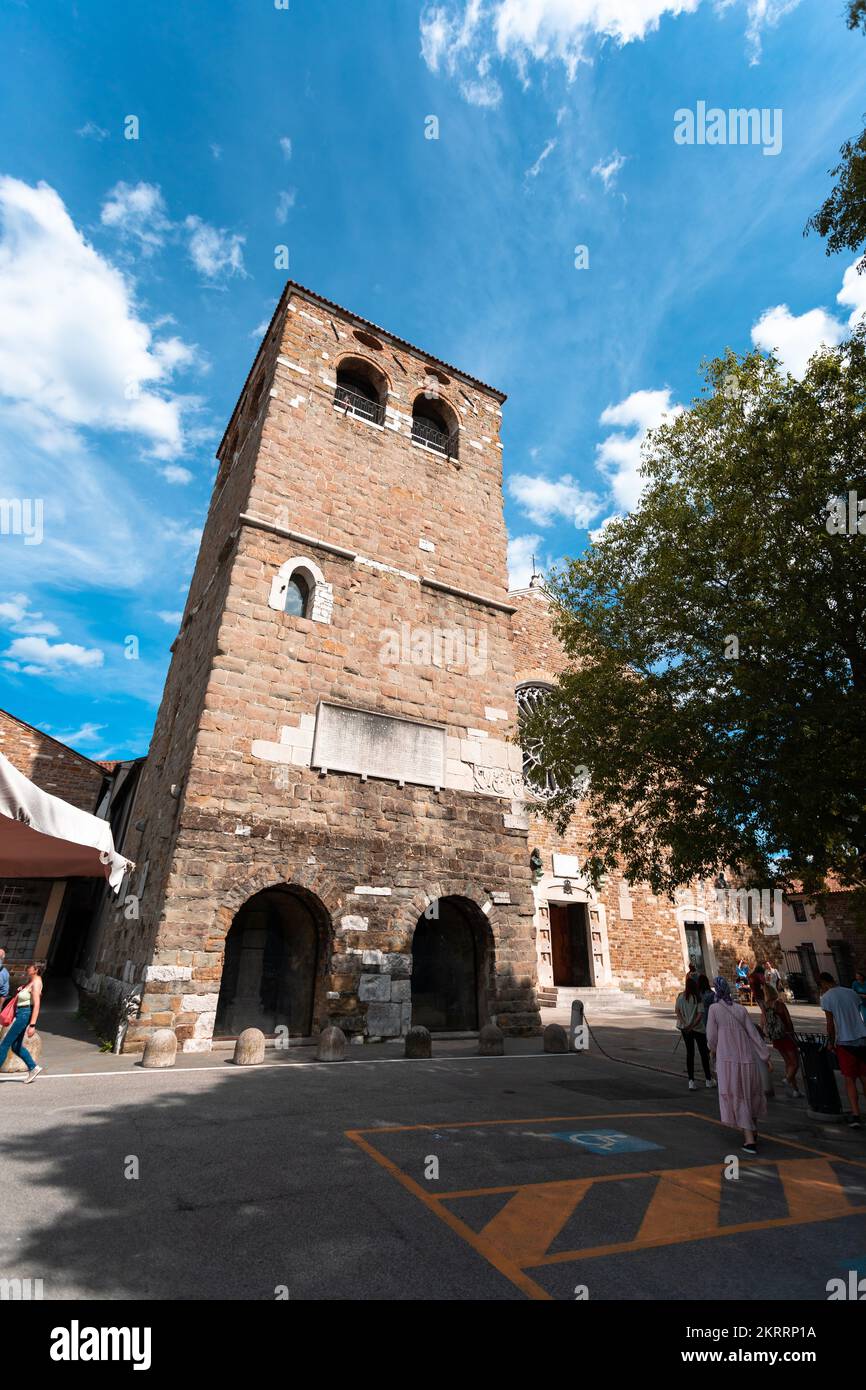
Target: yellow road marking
(687, 1201)
(527, 1226)
(812, 1190)
(685, 1205)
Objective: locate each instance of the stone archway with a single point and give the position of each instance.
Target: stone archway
(273, 967)
(452, 959)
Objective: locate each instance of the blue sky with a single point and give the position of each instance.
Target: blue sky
(135, 274)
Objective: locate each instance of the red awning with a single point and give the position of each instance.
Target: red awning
(26, 853)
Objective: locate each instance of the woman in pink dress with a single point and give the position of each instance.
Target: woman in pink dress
(741, 1064)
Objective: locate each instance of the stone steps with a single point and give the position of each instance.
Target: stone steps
(601, 1000)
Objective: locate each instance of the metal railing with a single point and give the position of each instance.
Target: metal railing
(357, 404)
(425, 432)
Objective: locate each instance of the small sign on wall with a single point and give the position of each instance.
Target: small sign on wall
(566, 866)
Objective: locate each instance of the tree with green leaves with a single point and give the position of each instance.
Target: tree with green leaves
(716, 637)
(841, 218)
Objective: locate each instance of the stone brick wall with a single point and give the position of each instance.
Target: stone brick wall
(843, 920)
(51, 765)
(409, 543)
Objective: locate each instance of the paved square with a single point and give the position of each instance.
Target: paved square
(547, 1207)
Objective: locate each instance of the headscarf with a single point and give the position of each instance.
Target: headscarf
(723, 991)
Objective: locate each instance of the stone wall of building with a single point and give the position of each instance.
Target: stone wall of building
(844, 921)
(50, 764)
(405, 552)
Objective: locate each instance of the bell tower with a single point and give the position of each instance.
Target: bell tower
(332, 813)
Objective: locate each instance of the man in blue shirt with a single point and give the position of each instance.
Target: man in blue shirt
(4, 979)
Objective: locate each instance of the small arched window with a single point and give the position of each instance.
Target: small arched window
(297, 596)
(300, 589)
(361, 390)
(432, 427)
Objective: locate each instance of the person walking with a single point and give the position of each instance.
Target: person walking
(741, 1063)
(690, 1021)
(779, 1030)
(23, 1025)
(859, 988)
(705, 990)
(772, 977)
(4, 979)
(846, 1034)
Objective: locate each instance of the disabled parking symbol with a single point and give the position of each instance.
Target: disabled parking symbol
(606, 1141)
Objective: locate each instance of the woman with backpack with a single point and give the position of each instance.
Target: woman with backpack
(690, 1021)
(779, 1030)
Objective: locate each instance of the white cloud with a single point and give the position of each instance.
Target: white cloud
(215, 253)
(172, 619)
(137, 211)
(91, 131)
(285, 202)
(286, 146)
(607, 169)
(544, 500)
(260, 329)
(535, 170)
(173, 473)
(217, 151)
(88, 733)
(18, 616)
(460, 36)
(618, 457)
(853, 293)
(34, 656)
(73, 350)
(761, 15)
(521, 550)
(483, 91)
(795, 337)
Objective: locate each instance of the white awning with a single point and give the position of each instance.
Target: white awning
(42, 836)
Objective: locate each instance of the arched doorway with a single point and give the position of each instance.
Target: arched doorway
(271, 965)
(450, 959)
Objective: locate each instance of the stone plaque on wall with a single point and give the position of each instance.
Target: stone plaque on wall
(378, 745)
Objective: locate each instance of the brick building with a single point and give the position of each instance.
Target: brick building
(37, 914)
(620, 936)
(329, 825)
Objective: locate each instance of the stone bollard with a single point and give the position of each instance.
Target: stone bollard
(578, 1039)
(34, 1047)
(332, 1045)
(491, 1041)
(250, 1048)
(160, 1050)
(418, 1042)
(555, 1038)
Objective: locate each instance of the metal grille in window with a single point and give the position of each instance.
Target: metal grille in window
(357, 403)
(425, 432)
(531, 699)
